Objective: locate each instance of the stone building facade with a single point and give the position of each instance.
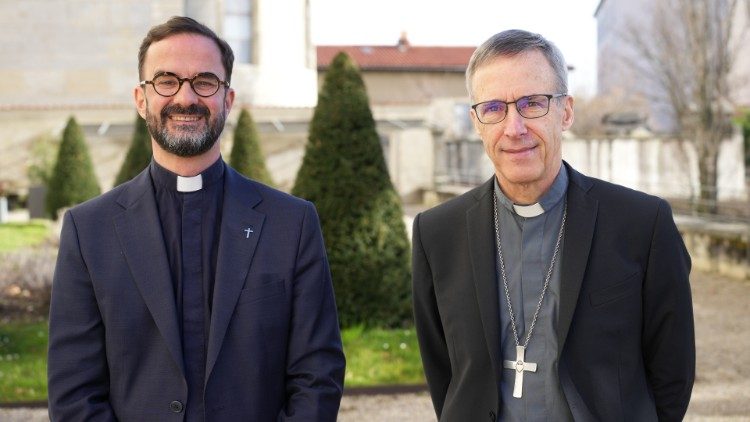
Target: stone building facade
(83, 53)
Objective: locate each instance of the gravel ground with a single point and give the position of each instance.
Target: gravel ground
(722, 330)
(722, 387)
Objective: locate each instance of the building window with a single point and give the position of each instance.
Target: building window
(238, 29)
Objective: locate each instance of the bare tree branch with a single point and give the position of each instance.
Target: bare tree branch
(685, 55)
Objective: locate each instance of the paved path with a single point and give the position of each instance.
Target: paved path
(722, 387)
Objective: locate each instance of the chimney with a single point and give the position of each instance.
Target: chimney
(403, 42)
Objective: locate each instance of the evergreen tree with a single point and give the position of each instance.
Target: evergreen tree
(246, 156)
(73, 180)
(139, 153)
(345, 175)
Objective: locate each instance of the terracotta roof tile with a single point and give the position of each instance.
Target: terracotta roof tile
(399, 57)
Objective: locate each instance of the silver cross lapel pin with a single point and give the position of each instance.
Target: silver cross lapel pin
(248, 231)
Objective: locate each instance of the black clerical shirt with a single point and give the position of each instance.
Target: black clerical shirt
(169, 201)
(171, 204)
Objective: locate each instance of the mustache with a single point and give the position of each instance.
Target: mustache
(192, 109)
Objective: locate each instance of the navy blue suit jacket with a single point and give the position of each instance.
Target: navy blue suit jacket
(625, 320)
(274, 349)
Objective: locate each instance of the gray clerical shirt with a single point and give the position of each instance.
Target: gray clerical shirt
(528, 245)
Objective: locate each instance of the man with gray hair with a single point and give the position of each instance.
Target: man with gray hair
(544, 294)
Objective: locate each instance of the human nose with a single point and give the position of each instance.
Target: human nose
(186, 94)
(515, 124)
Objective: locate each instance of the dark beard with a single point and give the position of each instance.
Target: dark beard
(186, 144)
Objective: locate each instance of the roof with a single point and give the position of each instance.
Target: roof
(400, 57)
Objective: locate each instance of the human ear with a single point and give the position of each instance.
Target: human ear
(141, 103)
(568, 113)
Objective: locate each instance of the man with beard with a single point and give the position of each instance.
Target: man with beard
(190, 292)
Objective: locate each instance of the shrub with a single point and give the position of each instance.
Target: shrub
(42, 153)
(73, 180)
(344, 174)
(246, 156)
(139, 153)
(26, 281)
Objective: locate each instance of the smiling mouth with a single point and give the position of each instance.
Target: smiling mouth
(518, 150)
(183, 118)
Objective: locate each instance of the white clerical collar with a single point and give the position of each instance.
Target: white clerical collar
(528, 211)
(548, 201)
(189, 184)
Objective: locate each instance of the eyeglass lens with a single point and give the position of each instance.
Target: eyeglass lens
(203, 85)
(529, 107)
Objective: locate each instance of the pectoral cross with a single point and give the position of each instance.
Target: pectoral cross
(519, 365)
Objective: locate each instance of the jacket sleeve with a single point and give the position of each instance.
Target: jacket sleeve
(315, 357)
(78, 376)
(432, 344)
(668, 333)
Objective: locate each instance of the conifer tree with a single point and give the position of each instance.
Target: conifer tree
(246, 156)
(345, 175)
(73, 180)
(139, 153)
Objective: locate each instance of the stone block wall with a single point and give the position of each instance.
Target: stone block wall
(722, 248)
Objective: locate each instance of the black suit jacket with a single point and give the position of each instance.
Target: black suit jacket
(274, 350)
(625, 323)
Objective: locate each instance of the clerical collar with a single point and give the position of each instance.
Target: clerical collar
(168, 180)
(552, 197)
(190, 184)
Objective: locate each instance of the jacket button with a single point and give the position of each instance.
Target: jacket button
(175, 406)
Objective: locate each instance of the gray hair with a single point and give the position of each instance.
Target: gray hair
(513, 42)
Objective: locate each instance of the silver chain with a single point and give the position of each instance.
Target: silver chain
(505, 279)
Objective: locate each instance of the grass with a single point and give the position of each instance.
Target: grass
(18, 235)
(23, 362)
(381, 357)
(373, 357)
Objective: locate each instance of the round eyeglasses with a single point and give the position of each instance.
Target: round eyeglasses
(530, 107)
(168, 84)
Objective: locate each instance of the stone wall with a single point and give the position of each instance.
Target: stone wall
(387, 88)
(659, 166)
(82, 53)
(716, 247)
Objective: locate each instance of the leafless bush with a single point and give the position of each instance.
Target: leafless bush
(26, 280)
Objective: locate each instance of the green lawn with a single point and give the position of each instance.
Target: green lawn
(373, 357)
(18, 235)
(381, 357)
(23, 361)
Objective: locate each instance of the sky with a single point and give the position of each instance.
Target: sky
(570, 24)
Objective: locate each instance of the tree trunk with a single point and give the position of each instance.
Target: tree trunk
(708, 157)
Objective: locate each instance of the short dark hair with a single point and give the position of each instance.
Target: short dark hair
(517, 41)
(184, 25)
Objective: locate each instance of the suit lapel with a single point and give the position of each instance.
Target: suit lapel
(482, 253)
(236, 249)
(140, 235)
(579, 233)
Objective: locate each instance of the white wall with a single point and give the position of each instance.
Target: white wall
(660, 167)
(285, 74)
(411, 160)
